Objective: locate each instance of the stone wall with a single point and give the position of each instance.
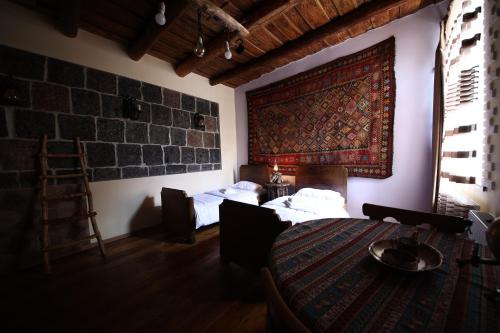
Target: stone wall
(65, 100)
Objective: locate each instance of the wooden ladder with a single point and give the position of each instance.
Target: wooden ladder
(45, 199)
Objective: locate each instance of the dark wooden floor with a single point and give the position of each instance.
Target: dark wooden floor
(146, 285)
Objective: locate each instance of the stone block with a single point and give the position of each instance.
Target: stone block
(159, 134)
(21, 64)
(110, 130)
(203, 106)
(19, 155)
(206, 167)
(85, 102)
(8, 180)
(178, 137)
(194, 138)
(187, 155)
(72, 126)
(151, 93)
(101, 81)
(172, 154)
(217, 166)
(158, 170)
(208, 140)
(134, 172)
(145, 114)
(65, 73)
(34, 125)
(50, 97)
(161, 115)
(136, 132)
(30, 179)
(188, 103)
(129, 87)
(214, 109)
(171, 98)
(202, 156)
(3, 124)
(181, 118)
(23, 88)
(101, 154)
(112, 106)
(106, 174)
(214, 155)
(152, 154)
(193, 168)
(175, 169)
(129, 154)
(217, 140)
(210, 124)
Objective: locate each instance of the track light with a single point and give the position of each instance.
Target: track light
(227, 54)
(199, 49)
(160, 16)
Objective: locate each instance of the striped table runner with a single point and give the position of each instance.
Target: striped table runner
(328, 278)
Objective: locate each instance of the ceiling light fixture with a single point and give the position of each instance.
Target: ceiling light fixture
(227, 54)
(160, 16)
(199, 50)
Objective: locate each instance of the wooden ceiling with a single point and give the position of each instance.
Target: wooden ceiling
(281, 31)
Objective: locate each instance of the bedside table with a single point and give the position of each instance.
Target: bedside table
(275, 190)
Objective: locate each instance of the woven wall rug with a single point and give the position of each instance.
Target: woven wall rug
(340, 113)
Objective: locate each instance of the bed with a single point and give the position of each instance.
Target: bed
(182, 215)
(247, 232)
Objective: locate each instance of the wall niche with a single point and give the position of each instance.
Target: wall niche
(65, 100)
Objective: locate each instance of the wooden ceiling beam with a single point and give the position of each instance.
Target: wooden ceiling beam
(261, 14)
(68, 16)
(337, 25)
(153, 30)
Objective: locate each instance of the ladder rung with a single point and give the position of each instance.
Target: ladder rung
(68, 244)
(61, 155)
(64, 196)
(75, 218)
(69, 175)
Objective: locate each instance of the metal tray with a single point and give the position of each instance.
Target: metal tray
(428, 257)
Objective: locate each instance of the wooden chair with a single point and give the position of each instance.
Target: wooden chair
(247, 233)
(444, 223)
(279, 316)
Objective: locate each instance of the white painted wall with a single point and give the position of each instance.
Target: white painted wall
(124, 205)
(410, 186)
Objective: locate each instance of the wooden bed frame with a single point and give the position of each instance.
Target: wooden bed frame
(247, 232)
(178, 214)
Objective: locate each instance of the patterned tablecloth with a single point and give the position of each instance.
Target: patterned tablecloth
(328, 278)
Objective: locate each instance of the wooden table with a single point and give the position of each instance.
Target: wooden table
(330, 281)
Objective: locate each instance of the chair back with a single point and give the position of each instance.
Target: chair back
(280, 318)
(444, 223)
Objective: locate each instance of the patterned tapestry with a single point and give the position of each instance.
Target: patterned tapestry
(340, 113)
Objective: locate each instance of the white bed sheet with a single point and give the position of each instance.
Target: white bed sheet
(310, 209)
(206, 205)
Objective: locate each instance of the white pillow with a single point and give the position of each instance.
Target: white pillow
(248, 186)
(318, 194)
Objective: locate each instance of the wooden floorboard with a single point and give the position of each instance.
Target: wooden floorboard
(146, 285)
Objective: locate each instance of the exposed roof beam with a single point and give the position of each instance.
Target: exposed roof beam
(211, 9)
(261, 14)
(339, 24)
(68, 15)
(153, 30)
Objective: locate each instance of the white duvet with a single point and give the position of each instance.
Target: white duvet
(206, 205)
(301, 209)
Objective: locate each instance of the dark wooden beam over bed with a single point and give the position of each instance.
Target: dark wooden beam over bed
(260, 15)
(311, 38)
(152, 31)
(68, 16)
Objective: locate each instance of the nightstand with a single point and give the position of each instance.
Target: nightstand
(275, 190)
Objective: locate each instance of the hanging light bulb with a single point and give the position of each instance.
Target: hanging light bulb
(199, 50)
(227, 54)
(160, 16)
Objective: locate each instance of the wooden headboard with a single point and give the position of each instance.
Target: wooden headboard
(257, 173)
(325, 177)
